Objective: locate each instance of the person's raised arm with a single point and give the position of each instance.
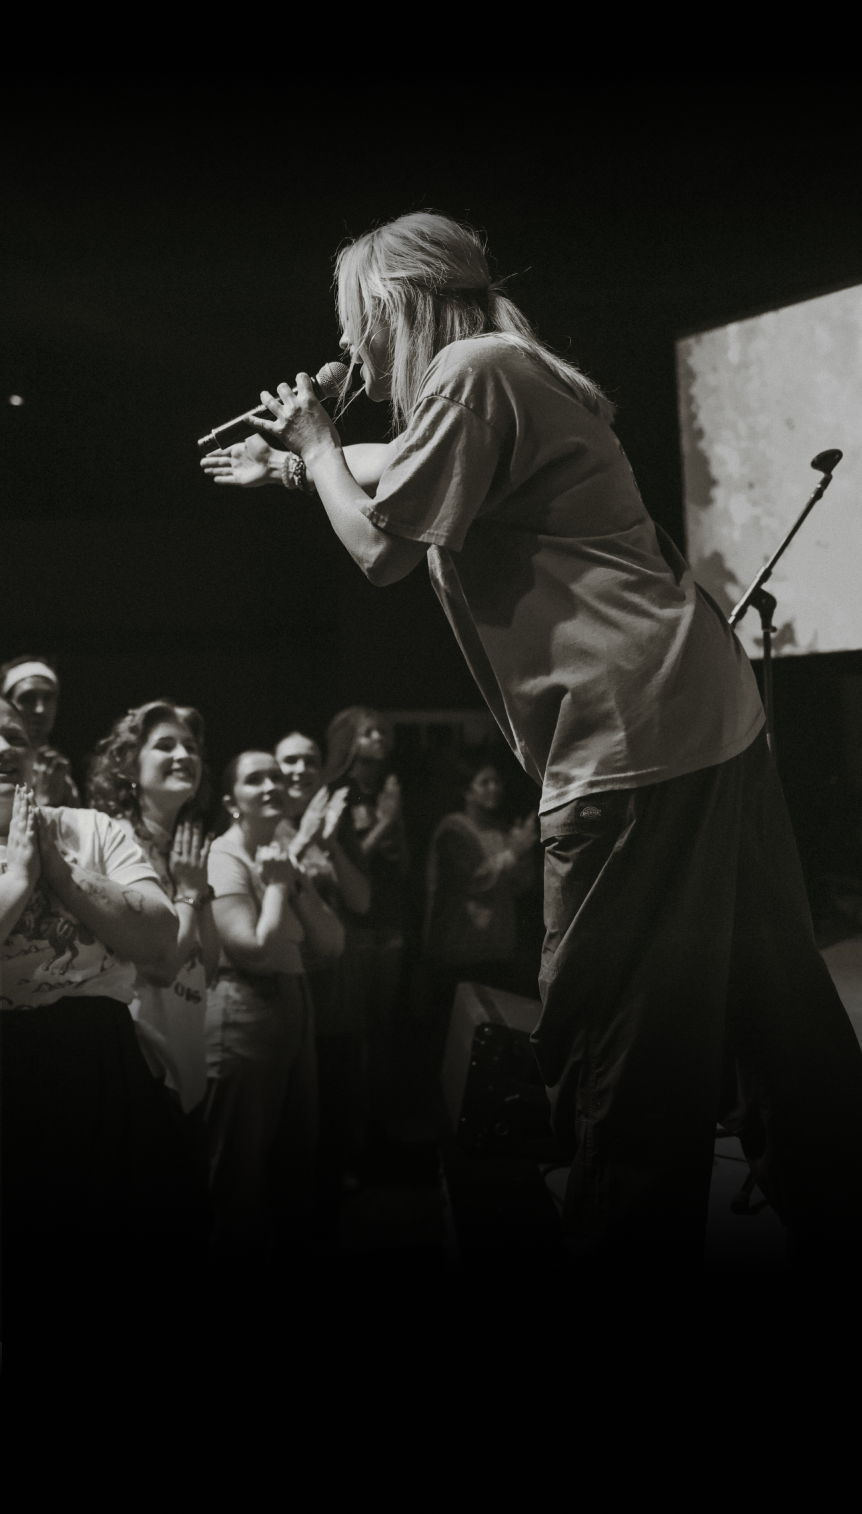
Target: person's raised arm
(23, 863)
(188, 868)
(303, 426)
(323, 928)
(265, 942)
(253, 463)
(136, 921)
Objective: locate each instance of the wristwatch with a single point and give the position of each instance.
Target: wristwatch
(197, 901)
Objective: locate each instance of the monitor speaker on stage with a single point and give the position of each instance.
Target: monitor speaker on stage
(494, 1094)
(758, 398)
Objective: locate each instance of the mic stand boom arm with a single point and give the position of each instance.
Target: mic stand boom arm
(765, 603)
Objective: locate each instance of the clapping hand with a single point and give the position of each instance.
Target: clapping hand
(276, 866)
(249, 463)
(311, 824)
(23, 860)
(188, 860)
(334, 811)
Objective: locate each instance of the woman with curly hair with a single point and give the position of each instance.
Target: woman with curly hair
(149, 774)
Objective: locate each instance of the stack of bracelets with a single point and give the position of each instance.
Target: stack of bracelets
(293, 474)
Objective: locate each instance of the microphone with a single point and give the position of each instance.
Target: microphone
(824, 462)
(328, 382)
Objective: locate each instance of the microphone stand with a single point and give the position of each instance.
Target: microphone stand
(764, 602)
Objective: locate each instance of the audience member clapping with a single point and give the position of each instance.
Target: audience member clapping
(477, 867)
(101, 1216)
(359, 743)
(32, 685)
(318, 830)
(149, 774)
(262, 1102)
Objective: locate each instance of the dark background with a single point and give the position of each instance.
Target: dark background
(159, 269)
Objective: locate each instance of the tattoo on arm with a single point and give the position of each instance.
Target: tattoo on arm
(94, 887)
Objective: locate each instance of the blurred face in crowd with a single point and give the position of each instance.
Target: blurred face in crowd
(169, 768)
(36, 698)
(301, 764)
(16, 760)
(258, 791)
(486, 790)
(372, 742)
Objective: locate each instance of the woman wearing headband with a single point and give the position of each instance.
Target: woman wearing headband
(32, 685)
(102, 1211)
(680, 980)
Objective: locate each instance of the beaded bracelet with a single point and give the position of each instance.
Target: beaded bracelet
(293, 474)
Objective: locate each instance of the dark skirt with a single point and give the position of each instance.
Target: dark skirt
(104, 1212)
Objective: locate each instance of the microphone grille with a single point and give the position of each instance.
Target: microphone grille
(331, 377)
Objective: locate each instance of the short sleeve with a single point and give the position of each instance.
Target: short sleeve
(124, 860)
(436, 484)
(228, 874)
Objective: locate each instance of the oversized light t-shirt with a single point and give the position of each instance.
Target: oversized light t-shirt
(604, 664)
(50, 955)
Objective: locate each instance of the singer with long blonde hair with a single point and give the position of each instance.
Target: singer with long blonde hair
(680, 982)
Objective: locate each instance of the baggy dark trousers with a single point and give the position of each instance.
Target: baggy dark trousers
(681, 986)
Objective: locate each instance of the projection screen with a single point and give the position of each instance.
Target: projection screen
(757, 400)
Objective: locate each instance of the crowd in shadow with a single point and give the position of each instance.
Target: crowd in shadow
(225, 1006)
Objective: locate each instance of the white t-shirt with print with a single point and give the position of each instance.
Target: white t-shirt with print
(169, 1022)
(49, 955)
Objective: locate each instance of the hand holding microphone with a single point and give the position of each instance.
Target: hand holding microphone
(301, 424)
(255, 460)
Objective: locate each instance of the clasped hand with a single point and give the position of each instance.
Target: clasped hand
(188, 860)
(301, 424)
(32, 850)
(23, 857)
(276, 867)
(319, 822)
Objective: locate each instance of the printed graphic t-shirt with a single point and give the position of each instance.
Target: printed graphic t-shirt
(50, 955)
(604, 664)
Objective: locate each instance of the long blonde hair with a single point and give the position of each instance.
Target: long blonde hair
(428, 276)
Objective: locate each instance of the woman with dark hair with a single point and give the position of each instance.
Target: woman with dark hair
(358, 746)
(150, 774)
(261, 1111)
(101, 1214)
(32, 685)
(319, 834)
(680, 980)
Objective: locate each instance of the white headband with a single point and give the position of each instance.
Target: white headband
(28, 670)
